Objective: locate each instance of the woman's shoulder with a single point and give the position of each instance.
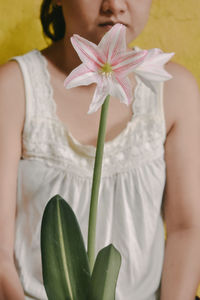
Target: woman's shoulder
(10, 76)
(183, 82)
(11, 80)
(12, 95)
(9, 70)
(181, 93)
(179, 73)
(11, 73)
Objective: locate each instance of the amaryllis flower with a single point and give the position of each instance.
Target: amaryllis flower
(108, 64)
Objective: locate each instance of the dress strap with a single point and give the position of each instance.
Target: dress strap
(150, 103)
(39, 116)
(36, 83)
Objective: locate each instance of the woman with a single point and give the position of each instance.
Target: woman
(57, 154)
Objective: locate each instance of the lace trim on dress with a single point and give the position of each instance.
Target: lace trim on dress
(46, 138)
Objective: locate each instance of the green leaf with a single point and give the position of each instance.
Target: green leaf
(105, 274)
(65, 264)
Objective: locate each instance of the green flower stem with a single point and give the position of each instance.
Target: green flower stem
(96, 183)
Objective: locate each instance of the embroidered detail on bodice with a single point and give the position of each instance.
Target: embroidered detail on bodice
(46, 138)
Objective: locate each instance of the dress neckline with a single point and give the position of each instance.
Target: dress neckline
(89, 150)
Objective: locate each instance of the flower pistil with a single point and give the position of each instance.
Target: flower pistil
(106, 70)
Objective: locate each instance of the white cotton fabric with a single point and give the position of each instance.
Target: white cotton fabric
(131, 191)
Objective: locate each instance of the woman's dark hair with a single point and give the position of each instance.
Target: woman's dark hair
(52, 20)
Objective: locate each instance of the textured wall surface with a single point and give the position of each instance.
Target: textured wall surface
(20, 29)
(174, 26)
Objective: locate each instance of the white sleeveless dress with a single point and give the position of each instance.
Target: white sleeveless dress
(131, 191)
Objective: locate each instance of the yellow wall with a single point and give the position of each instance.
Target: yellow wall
(174, 26)
(20, 28)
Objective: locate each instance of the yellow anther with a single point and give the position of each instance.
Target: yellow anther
(106, 69)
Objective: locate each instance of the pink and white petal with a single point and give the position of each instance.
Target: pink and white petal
(121, 88)
(153, 85)
(156, 53)
(153, 73)
(123, 57)
(80, 76)
(155, 56)
(126, 63)
(157, 59)
(88, 52)
(113, 42)
(152, 68)
(100, 94)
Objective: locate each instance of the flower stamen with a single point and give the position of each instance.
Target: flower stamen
(106, 70)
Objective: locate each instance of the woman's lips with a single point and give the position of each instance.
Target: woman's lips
(109, 25)
(106, 26)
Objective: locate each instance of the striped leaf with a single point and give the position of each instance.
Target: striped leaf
(65, 265)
